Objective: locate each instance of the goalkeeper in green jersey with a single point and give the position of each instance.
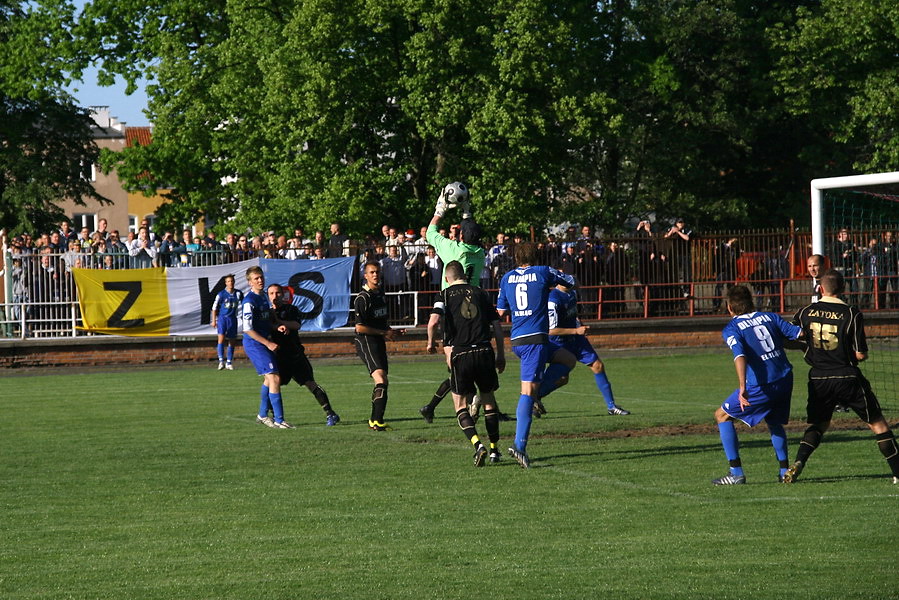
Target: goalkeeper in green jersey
(467, 250)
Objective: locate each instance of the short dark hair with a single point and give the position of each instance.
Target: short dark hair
(454, 271)
(471, 232)
(833, 282)
(739, 299)
(525, 254)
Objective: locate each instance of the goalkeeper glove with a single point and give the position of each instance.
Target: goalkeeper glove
(440, 208)
(465, 206)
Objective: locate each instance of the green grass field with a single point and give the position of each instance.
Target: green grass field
(156, 483)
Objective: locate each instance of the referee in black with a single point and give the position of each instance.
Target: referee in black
(834, 334)
(470, 321)
(372, 335)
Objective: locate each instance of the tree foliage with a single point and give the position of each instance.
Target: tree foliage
(837, 69)
(46, 147)
(275, 113)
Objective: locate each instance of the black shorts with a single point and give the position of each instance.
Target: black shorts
(852, 391)
(295, 366)
(372, 349)
(473, 366)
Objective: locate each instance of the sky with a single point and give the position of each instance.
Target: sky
(128, 109)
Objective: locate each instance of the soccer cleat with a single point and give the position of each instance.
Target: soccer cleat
(840, 408)
(895, 480)
(617, 410)
(284, 425)
(474, 408)
(504, 417)
(221, 365)
(793, 472)
(480, 455)
(333, 419)
(427, 413)
(521, 457)
(494, 455)
(266, 420)
(376, 426)
(730, 479)
(539, 409)
(229, 366)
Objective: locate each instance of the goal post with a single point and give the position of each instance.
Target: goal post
(830, 183)
(869, 205)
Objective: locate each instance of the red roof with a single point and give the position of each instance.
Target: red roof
(138, 136)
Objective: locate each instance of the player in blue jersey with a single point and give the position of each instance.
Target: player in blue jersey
(256, 314)
(225, 308)
(765, 376)
(523, 293)
(567, 336)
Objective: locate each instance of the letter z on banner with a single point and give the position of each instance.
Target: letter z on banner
(126, 302)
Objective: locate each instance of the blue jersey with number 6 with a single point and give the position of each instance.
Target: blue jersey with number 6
(759, 337)
(524, 292)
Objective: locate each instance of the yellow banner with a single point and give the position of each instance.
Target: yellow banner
(127, 302)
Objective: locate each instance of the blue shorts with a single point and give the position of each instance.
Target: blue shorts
(578, 345)
(533, 361)
(226, 326)
(261, 357)
(767, 402)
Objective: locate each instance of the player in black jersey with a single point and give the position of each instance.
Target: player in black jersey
(372, 334)
(835, 344)
(470, 321)
(291, 355)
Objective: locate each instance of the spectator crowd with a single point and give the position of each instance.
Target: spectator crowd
(652, 267)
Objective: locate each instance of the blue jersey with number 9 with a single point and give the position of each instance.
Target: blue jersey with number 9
(759, 337)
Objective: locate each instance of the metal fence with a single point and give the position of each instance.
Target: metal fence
(629, 277)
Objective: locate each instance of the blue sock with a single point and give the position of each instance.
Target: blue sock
(230, 353)
(605, 388)
(731, 444)
(264, 403)
(219, 348)
(277, 406)
(779, 441)
(523, 421)
(552, 374)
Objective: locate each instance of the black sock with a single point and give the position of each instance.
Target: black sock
(322, 397)
(887, 444)
(810, 442)
(442, 390)
(491, 421)
(378, 402)
(467, 425)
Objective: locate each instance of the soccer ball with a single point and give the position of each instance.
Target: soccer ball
(454, 193)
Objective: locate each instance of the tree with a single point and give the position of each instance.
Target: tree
(46, 148)
(275, 113)
(837, 69)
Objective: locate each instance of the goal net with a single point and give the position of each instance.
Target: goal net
(855, 221)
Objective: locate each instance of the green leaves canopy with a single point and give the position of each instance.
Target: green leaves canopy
(280, 113)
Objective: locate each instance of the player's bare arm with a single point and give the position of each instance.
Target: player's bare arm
(433, 324)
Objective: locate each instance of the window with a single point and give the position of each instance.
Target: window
(88, 220)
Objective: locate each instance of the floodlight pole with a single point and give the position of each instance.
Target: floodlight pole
(839, 182)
